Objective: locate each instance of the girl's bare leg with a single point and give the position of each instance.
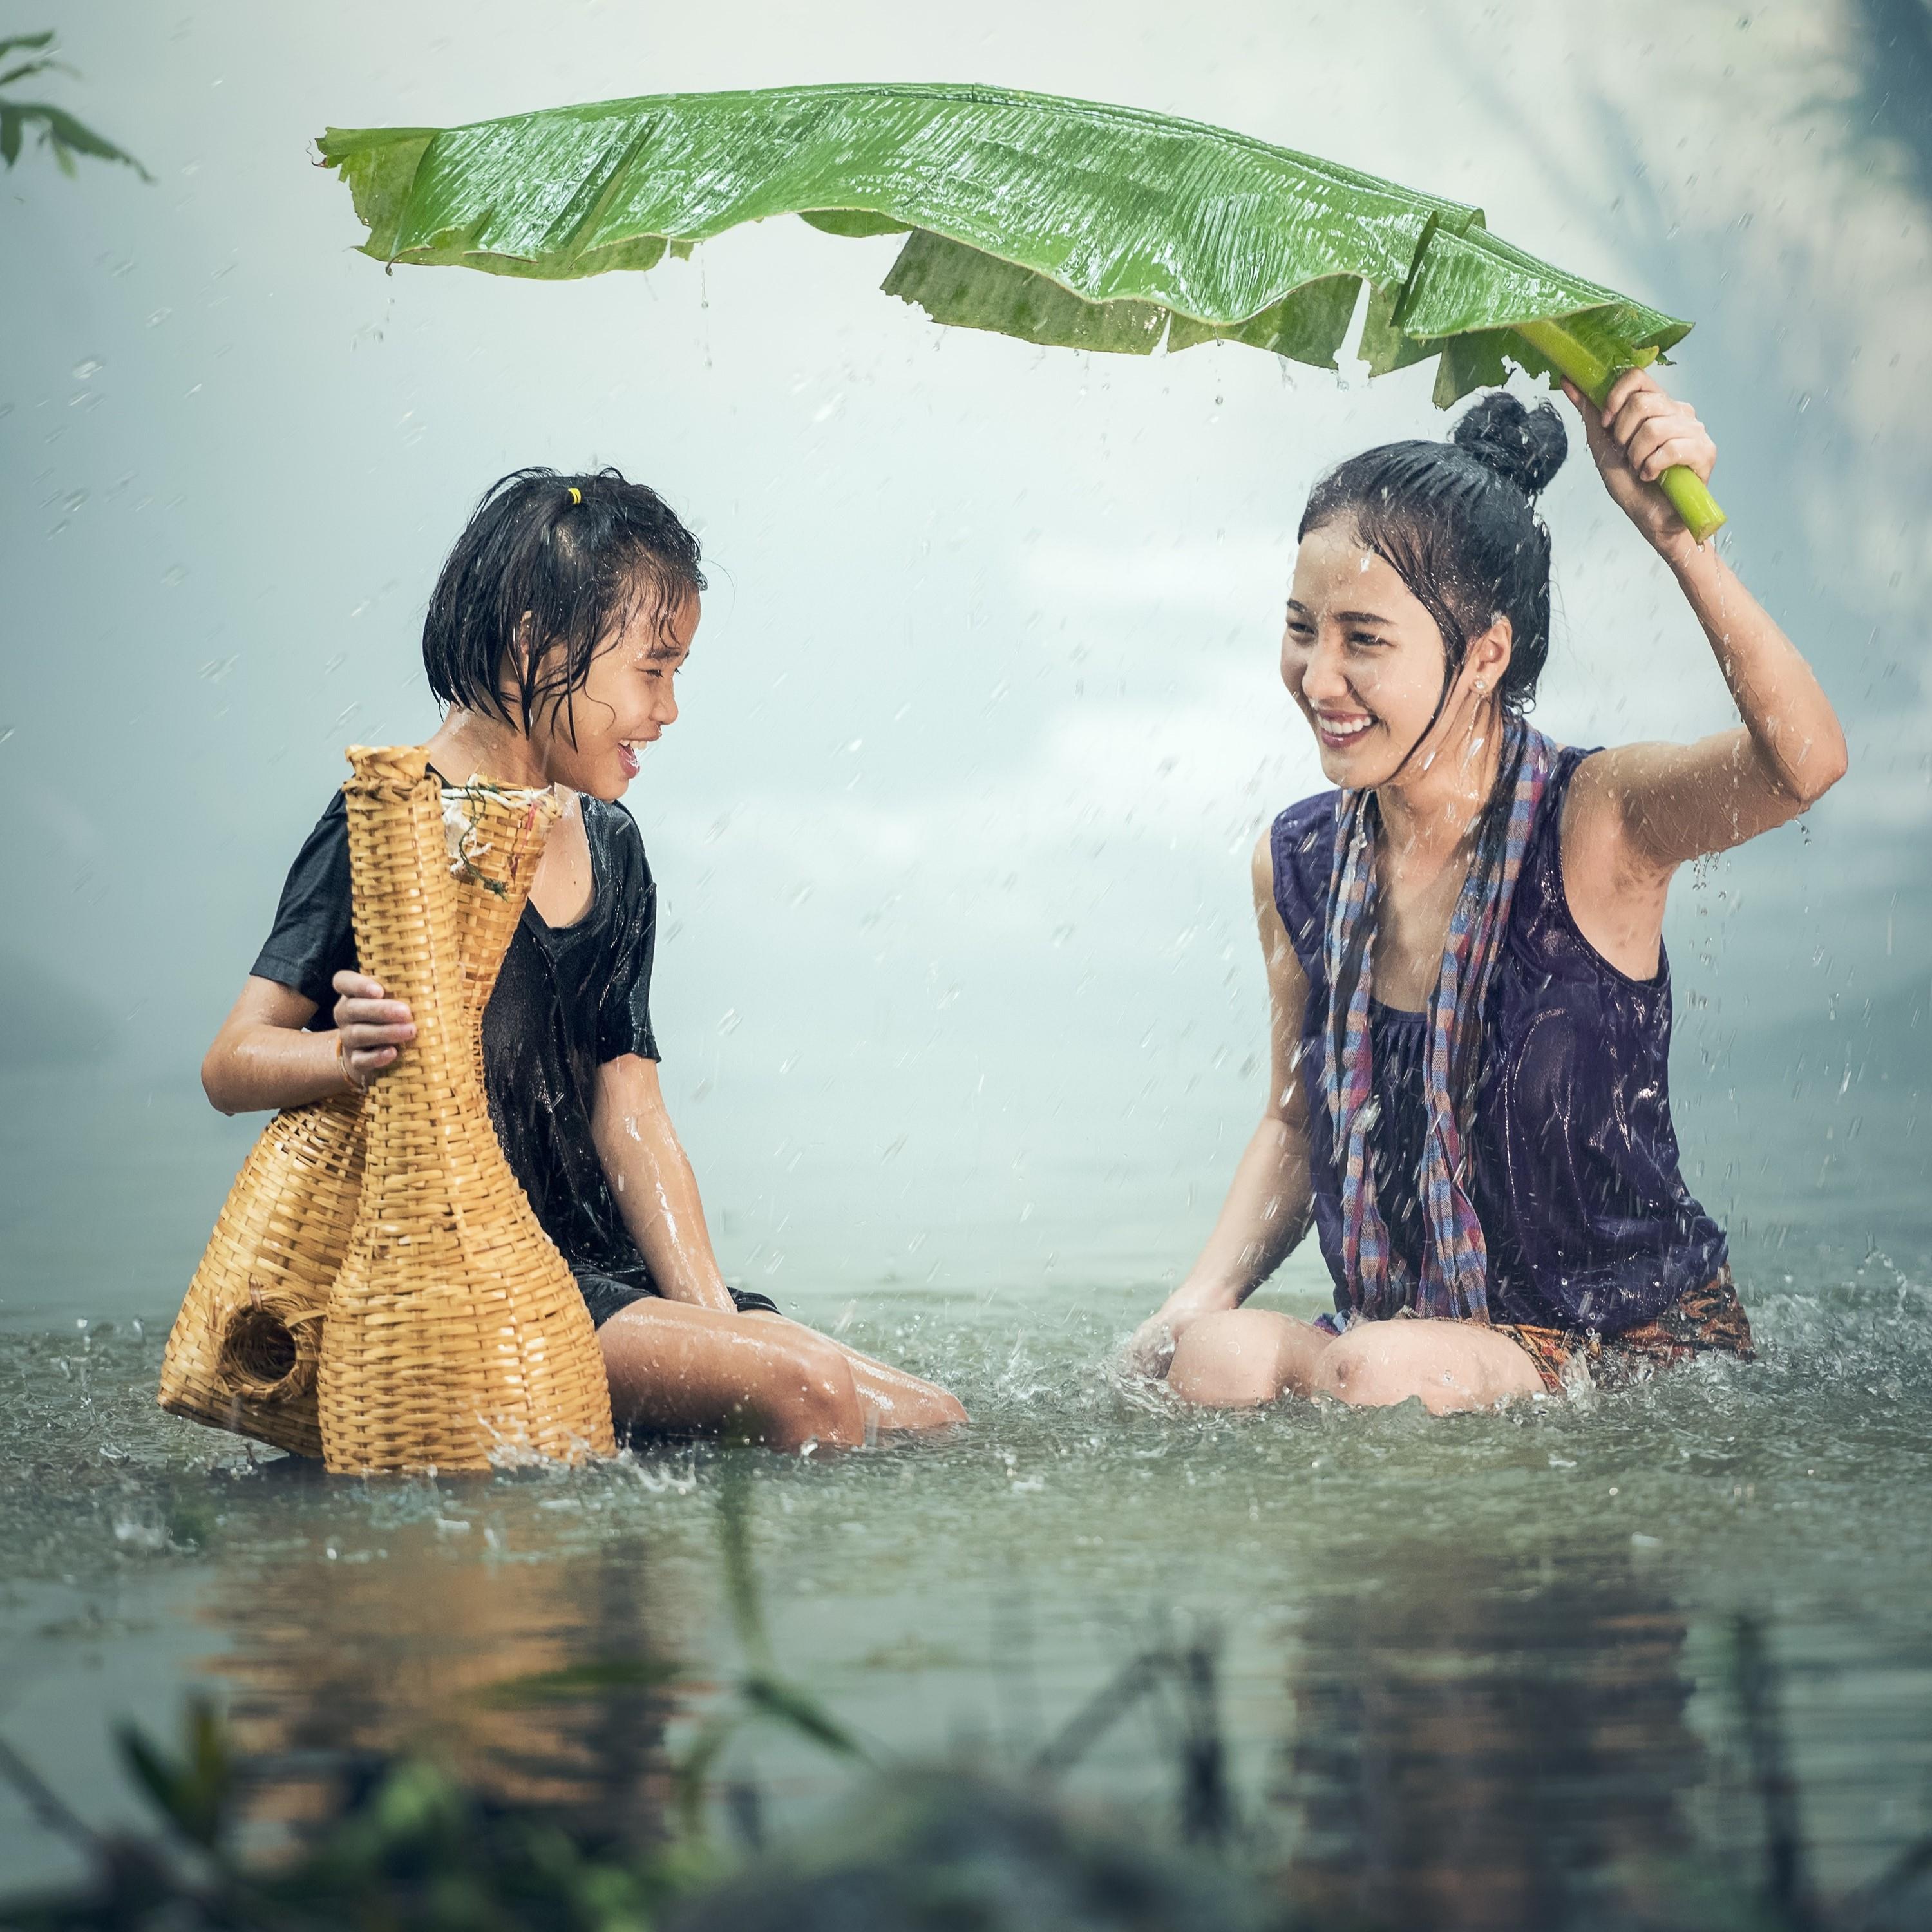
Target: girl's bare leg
(898, 1401)
(1249, 1356)
(1242, 1357)
(1446, 1365)
(684, 1370)
(901, 1401)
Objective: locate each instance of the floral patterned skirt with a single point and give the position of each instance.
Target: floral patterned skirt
(1702, 1321)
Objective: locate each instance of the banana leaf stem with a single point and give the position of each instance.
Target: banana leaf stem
(1593, 374)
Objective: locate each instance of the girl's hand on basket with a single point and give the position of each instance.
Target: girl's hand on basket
(373, 1029)
(1641, 431)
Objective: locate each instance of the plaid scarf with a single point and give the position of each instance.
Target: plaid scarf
(1453, 1284)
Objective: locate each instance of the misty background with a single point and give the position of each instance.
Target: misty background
(957, 980)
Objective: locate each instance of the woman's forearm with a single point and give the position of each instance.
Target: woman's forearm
(1794, 730)
(1265, 1214)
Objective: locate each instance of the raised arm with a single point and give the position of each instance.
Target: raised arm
(1269, 1204)
(1663, 804)
(650, 1176)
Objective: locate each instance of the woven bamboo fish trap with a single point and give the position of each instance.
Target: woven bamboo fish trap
(455, 1336)
(244, 1350)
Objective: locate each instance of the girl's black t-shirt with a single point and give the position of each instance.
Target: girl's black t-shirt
(567, 999)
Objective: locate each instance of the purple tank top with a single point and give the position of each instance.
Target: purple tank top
(1587, 1220)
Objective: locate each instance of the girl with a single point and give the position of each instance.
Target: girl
(1470, 1001)
(561, 619)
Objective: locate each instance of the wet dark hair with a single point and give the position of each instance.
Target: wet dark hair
(578, 555)
(1456, 521)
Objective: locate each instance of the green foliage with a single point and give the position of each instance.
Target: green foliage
(1060, 222)
(762, 1691)
(774, 1697)
(946, 1851)
(63, 135)
(596, 1678)
(410, 1846)
(922, 1849)
(192, 1791)
(734, 1546)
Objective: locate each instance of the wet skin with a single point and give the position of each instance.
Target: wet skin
(687, 1363)
(1365, 662)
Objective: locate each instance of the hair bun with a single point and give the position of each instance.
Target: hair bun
(1526, 447)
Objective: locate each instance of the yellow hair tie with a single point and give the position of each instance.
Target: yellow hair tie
(576, 494)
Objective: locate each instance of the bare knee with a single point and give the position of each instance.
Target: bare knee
(1371, 1367)
(1378, 1365)
(937, 1408)
(1357, 1371)
(815, 1400)
(1227, 1360)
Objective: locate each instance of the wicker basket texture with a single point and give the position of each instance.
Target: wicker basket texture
(244, 1352)
(456, 1338)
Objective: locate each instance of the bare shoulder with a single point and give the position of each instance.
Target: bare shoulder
(1275, 942)
(1595, 806)
(1260, 868)
(1615, 891)
(1288, 985)
(1618, 793)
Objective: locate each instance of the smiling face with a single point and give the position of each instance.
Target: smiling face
(1364, 659)
(592, 740)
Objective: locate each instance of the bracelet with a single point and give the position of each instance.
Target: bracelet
(349, 1079)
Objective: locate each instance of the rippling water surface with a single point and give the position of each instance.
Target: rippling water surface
(1563, 1666)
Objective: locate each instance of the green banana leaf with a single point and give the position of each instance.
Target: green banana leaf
(1061, 222)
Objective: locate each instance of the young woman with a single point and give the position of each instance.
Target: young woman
(560, 621)
(1470, 1001)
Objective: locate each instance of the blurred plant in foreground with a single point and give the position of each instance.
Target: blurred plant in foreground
(917, 1849)
(406, 1843)
(60, 131)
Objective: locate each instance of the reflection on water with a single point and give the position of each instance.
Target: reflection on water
(334, 1665)
(1497, 1671)
(1492, 1747)
(1471, 1736)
